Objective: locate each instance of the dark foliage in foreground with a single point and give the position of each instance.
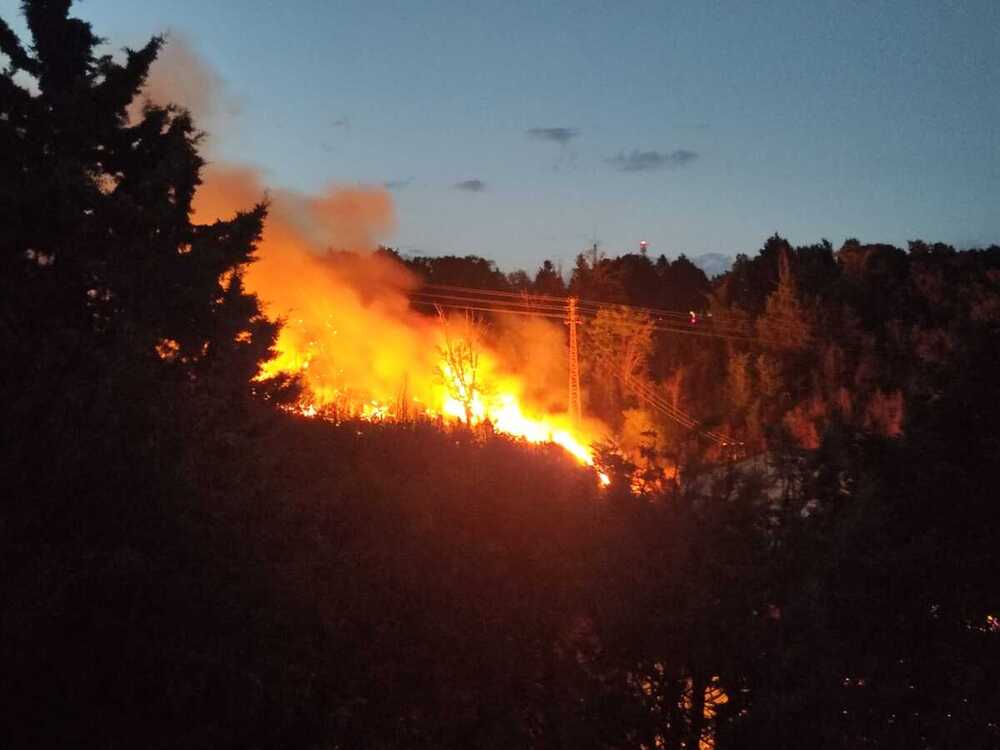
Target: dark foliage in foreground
(184, 565)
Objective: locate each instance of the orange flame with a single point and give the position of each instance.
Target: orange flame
(351, 335)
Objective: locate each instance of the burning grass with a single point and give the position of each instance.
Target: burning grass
(359, 349)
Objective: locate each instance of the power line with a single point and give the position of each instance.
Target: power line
(453, 306)
(734, 326)
(484, 299)
(654, 399)
(581, 303)
(550, 310)
(548, 301)
(494, 292)
(570, 315)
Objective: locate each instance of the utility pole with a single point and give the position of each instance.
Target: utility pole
(575, 409)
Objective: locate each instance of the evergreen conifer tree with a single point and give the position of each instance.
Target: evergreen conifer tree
(112, 300)
(129, 347)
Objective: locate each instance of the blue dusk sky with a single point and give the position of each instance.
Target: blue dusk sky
(523, 130)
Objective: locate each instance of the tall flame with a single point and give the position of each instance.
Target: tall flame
(362, 352)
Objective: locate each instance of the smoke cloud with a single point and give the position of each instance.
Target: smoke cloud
(348, 326)
(349, 329)
(179, 76)
(347, 318)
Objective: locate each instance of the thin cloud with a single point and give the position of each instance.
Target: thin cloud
(643, 161)
(471, 186)
(397, 184)
(562, 136)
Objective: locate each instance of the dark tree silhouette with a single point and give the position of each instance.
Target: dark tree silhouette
(129, 348)
(548, 280)
(470, 271)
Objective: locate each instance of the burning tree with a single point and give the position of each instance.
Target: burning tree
(459, 368)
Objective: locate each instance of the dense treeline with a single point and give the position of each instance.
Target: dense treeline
(186, 565)
(784, 344)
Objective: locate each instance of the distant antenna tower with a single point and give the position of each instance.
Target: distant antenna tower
(593, 253)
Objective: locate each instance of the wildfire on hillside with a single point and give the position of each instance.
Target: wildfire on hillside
(440, 391)
(360, 350)
(469, 392)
